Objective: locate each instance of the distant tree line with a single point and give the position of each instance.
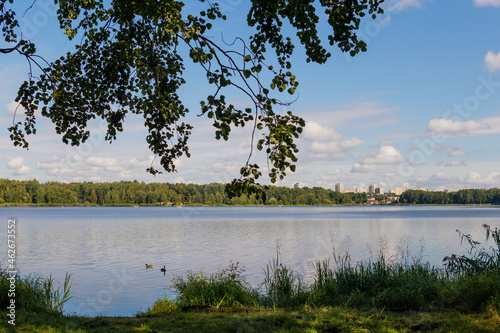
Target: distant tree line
(461, 197)
(136, 193)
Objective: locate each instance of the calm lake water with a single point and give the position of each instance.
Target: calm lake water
(106, 249)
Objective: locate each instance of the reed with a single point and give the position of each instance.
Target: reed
(283, 286)
(225, 289)
(479, 259)
(34, 293)
(397, 285)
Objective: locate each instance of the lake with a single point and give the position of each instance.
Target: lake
(106, 249)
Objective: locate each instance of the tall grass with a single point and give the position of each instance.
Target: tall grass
(283, 286)
(225, 289)
(479, 259)
(34, 293)
(465, 283)
(377, 283)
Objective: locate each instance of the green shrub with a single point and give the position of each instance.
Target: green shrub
(225, 289)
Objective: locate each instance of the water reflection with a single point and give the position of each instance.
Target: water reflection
(106, 249)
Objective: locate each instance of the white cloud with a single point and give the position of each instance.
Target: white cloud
(56, 166)
(474, 178)
(17, 164)
(364, 168)
(351, 143)
(495, 3)
(455, 163)
(180, 180)
(386, 155)
(178, 163)
(314, 131)
(105, 162)
(336, 146)
(457, 152)
(455, 126)
(137, 163)
(403, 4)
(492, 61)
(23, 170)
(12, 106)
(221, 168)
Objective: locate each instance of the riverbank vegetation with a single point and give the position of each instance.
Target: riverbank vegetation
(134, 193)
(33, 193)
(383, 295)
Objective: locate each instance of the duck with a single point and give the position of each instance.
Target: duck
(149, 266)
(164, 270)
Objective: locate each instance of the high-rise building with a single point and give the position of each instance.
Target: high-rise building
(339, 188)
(371, 188)
(360, 190)
(399, 190)
(379, 190)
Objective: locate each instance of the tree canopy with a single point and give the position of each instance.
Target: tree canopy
(132, 56)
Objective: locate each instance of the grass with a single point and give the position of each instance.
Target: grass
(34, 293)
(468, 283)
(374, 296)
(303, 319)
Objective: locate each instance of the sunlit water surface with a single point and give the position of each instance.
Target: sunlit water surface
(106, 249)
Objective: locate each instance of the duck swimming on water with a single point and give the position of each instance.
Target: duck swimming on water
(149, 266)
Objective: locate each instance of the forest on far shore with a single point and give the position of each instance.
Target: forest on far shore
(137, 193)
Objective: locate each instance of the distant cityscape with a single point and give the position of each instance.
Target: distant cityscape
(372, 189)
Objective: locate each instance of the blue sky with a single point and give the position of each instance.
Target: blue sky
(421, 108)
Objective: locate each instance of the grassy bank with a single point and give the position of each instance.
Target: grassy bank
(305, 319)
(375, 296)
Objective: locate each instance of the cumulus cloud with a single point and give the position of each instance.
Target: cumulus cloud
(455, 151)
(475, 178)
(58, 166)
(327, 141)
(386, 155)
(455, 163)
(221, 168)
(351, 143)
(492, 61)
(336, 146)
(314, 131)
(364, 168)
(17, 164)
(105, 162)
(138, 163)
(455, 126)
(495, 3)
(14, 108)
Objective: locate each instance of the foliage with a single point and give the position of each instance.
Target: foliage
(461, 197)
(132, 58)
(35, 293)
(225, 289)
(479, 259)
(283, 287)
(395, 286)
(135, 193)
